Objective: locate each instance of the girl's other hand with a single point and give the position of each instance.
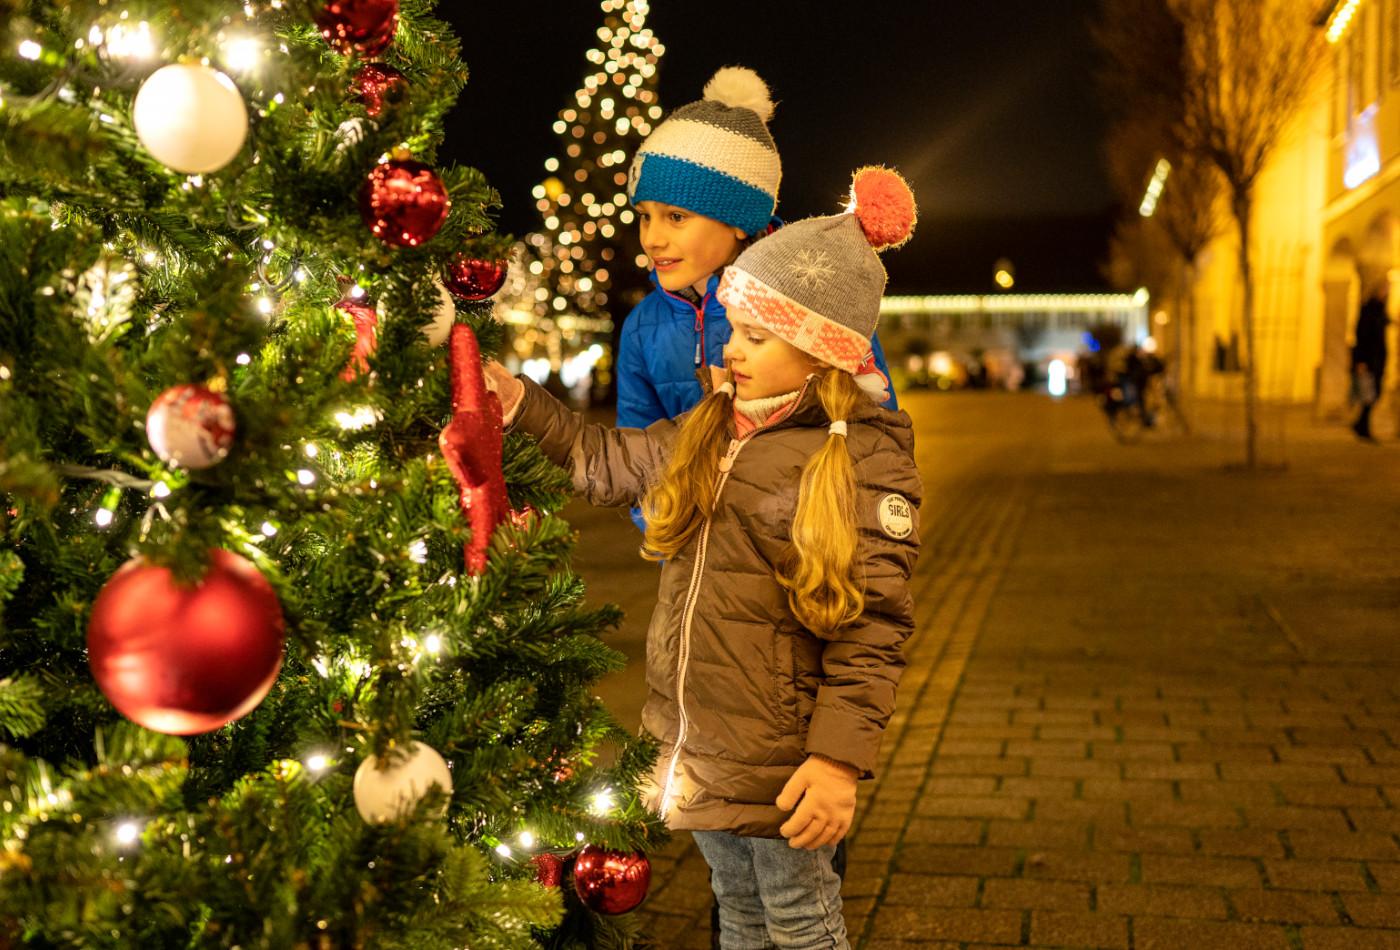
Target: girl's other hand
(506, 387)
(824, 793)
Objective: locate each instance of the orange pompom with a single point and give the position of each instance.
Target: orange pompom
(884, 205)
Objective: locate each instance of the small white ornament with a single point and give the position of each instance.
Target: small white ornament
(440, 329)
(191, 118)
(444, 317)
(191, 426)
(382, 795)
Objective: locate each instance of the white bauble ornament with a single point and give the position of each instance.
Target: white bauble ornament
(444, 316)
(191, 118)
(191, 426)
(383, 795)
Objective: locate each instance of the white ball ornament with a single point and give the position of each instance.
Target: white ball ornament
(191, 118)
(444, 316)
(191, 426)
(382, 795)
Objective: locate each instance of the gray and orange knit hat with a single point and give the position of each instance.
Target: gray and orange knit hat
(715, 157)
(817, 283)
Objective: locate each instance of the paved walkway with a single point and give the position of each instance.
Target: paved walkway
(1152, 702)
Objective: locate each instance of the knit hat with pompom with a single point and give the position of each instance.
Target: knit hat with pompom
(715, 157)
(817, 283)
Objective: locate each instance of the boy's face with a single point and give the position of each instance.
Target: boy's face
(685, 248)
(763, 364)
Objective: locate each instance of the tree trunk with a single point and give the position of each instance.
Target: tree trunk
(1243, 204)
(1182, 357)
(1189, 389)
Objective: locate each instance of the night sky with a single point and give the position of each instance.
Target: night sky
(989, 110)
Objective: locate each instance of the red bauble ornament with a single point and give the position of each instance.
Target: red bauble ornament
(186, 659)
(377, 85)
(191, 426)
(366, 337)
(611, 882)
(366, 27)
(404, 202)
(549, 869)
(472, 278)
(471, 446)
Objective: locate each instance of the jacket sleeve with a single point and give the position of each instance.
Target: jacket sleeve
(608, 466)
(862, 663)
(892, 403)
(638, 404)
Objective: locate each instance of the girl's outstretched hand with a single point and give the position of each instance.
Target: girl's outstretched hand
(824, 794)
(506, 387)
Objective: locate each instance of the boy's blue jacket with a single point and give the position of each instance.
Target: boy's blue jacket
(665, 339)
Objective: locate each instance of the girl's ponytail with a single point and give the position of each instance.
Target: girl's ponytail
(822, 591)
(685, 494)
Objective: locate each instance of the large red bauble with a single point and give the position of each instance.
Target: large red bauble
(404, 203)
(611, 882)
(377, 85)
(366, 27)
(186, 659)
(472, 278)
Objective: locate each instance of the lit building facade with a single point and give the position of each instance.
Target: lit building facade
(1361, 230)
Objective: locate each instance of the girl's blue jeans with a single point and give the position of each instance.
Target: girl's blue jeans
(773, 896)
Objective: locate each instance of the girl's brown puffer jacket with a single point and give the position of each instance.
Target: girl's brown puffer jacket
(739, 692)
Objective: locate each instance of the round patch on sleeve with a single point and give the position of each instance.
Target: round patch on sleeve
(896, 516)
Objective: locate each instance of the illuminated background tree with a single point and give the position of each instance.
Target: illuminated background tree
(584, 254)
(255, 536)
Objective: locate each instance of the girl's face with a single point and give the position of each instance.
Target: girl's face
(763, 364)
(685, 247)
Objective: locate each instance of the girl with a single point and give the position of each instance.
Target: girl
(784, 510)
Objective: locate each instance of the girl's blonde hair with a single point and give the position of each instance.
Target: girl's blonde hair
(818, 570)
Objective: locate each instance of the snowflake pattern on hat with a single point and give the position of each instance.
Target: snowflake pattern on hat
(812, 268)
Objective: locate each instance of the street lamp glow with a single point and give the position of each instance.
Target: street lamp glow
(1004, 280)
(1154, 188)
(1341, 19)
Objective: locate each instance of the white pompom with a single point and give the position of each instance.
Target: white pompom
(740, 87)
(190, 117)
(383, 795)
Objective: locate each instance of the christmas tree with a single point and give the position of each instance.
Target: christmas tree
(290, 655)
(588, 240)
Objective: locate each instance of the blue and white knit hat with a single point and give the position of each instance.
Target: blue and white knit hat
(715, 157)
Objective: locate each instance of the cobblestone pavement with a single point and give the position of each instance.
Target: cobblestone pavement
(1152, 701)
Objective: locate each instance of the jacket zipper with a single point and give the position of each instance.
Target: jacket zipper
(726, 465)
(699, 323)
(700, 331)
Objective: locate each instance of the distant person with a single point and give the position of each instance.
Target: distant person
(1368, 358)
